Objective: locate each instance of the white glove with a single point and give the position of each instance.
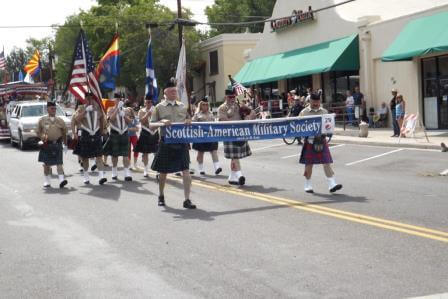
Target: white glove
(89, 108)
(64, 148)
(120, 104)
(122, 113)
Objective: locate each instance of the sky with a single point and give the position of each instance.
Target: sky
(38, 13)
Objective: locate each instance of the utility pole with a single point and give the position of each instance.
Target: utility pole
(179, 15)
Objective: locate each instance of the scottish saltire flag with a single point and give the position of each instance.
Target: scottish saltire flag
(82, 75)
(2, 60)
(151, 81)
(237, 87)
(181, 75)
(109, 66)
(33, 66)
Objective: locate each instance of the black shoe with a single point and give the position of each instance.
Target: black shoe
(86, 182)
(161, 202)
(191, 171)
(102, 181)
(93, 168)
(115, 178)
(218, 171)
(128, 179)
(336, 188)
(309, 191)
(234, 183)
(202, 173)
(241, 180)
(145, 175)
(178, 174)
(62, 184)
(189, 205)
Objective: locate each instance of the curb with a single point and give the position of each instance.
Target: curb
(338, 139)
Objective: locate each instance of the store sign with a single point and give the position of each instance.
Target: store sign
(297, 17)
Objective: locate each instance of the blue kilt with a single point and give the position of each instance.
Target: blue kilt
(51, 154)
(89, 146)
(171, 158)
(236, 149)
(147, 142)
(117, 145)
(309, 156)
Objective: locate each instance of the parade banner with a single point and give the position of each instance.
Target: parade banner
(199, 132)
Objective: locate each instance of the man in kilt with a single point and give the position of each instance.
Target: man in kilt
(172, 157)
(90, 121)
(149, 136)
(117, 145)
(230, 110)
(52, 132)
(316, 149)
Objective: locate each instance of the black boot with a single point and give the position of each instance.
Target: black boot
(189, 205)
(161, 202)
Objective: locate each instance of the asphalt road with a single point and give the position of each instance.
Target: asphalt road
(384, 235)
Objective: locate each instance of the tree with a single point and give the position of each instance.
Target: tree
(131, 17)
(235, 11)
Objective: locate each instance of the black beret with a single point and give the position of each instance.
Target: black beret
(170, 83)
(315, 96)
(51, 104)
(117, 95)
(148, 97)
(229, 92)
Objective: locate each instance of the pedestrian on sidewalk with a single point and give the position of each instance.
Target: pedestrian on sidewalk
(316, 150)
(400, 111)
(360, 105)
(172, 157)
(350, 107)
(52, 132)
(392, 105)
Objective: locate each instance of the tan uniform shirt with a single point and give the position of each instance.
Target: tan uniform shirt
(54, 129)
(308, 111)
(92, 121)
(199, 116)
(176, 112)
(232, 112)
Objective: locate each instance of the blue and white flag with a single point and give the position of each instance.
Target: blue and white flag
(199, 132)
(151, 81)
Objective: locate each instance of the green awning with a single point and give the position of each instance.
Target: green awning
(337, 55)
(419, 37)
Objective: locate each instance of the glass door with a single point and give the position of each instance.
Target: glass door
(443, 94)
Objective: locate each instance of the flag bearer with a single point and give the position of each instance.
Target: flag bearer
(52, 132)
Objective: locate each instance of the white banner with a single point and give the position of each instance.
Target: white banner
(181, 75)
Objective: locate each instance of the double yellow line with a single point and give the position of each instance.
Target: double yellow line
(335, 213)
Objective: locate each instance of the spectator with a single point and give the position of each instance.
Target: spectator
(290, 98)
(400, 110)
(349, 107)
(382, 114)
(392, 105)
(358, 97)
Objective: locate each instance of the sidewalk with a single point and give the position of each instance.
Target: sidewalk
(382, 137)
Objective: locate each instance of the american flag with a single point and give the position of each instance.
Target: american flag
(238, 88)
(2, 60)
(83, 77)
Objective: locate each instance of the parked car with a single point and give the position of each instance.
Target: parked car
(24, 119)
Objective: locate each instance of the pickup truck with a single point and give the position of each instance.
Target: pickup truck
(24, 119)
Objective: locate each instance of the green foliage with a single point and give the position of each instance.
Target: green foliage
(235, 11)
(100, 23)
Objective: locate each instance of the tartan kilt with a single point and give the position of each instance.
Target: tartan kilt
(51, 154)
(89, 146)
(309, 156)
(147, 142)
(171, 158)
(206, 146)
(236, 149)
(117, 145)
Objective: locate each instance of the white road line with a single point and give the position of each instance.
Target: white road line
(445, 172)
(331, 147)
(374, 157)
(262, 148)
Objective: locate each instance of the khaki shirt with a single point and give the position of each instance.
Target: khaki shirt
(54, 129)
(232, 112)
(308, 111)
(199, 116)
(91, 120)
(176, 113)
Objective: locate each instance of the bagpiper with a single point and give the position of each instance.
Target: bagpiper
(316, 150)
(149, 136)
(117, 144)
(172, 157)
(52, 132)
(230, 110)
(90, 121)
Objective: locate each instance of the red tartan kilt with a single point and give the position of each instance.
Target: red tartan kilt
(309, 156)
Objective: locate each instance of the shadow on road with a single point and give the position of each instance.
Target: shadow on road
(337, 198)
(113, 190)
(199, 214)
(260, 189)
(57, 190)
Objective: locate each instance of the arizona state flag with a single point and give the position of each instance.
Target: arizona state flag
(109, 65)
(33, 66)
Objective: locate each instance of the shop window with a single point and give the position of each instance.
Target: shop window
(336, 85)
(430, 78)
(214, 67)
(300, 84)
